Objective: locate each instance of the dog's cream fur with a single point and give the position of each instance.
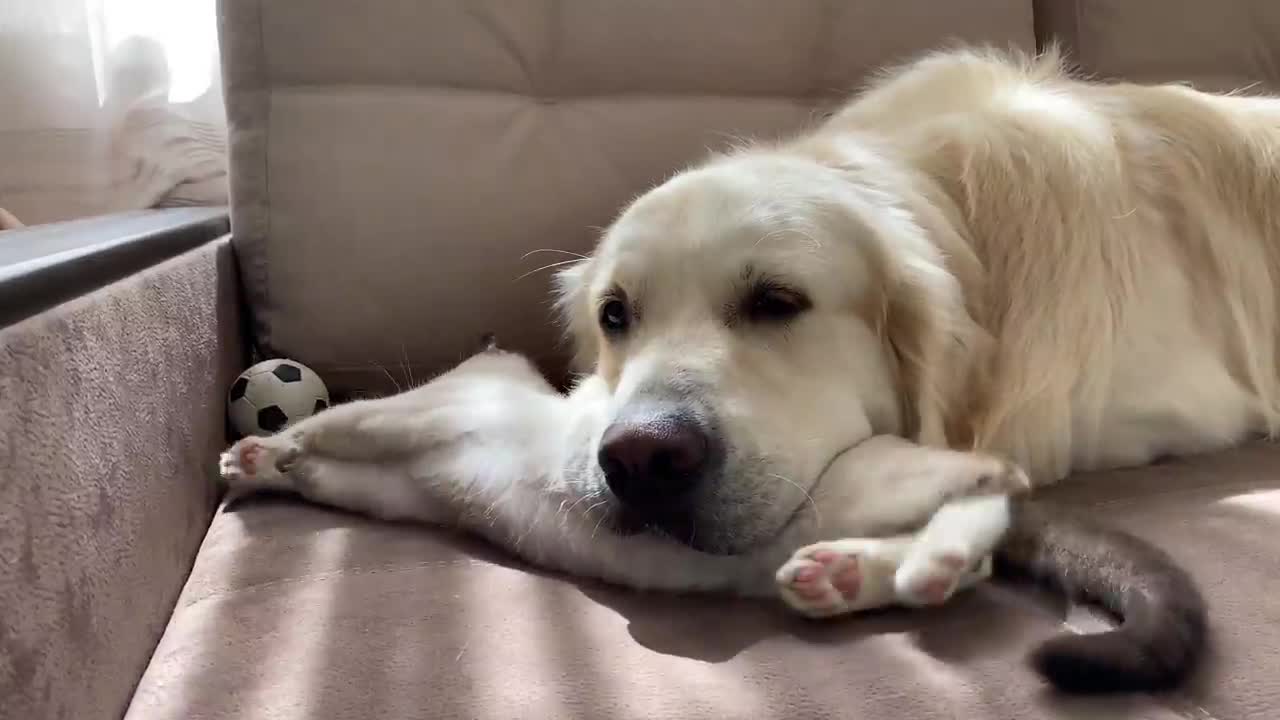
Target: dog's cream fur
(982, 253)
(1000, 256)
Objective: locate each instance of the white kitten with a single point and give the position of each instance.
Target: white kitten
(492, 448)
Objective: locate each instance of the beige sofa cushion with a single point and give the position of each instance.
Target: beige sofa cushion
(393, 166)
(1214, 45)
(294, 611)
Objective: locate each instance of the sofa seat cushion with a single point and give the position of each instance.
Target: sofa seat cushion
(297, 611)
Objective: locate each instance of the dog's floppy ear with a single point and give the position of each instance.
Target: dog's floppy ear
(573, 305)
(917, 328)
(925, 323)
(920, 311)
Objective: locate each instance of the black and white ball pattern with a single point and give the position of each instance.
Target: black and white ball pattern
(274, 394)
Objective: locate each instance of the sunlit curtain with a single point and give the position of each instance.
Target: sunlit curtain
(109, 105)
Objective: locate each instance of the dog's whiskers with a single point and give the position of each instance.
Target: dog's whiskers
(527, 255)
(807, 237)
(537, 519)
(768, 236)
(387, 372)
(407, 366)
(807, 495)
(589, 496)
(600, 521)
(814, 243)
(549, 266)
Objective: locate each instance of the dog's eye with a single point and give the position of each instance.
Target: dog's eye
(615, 316)
(775, 304)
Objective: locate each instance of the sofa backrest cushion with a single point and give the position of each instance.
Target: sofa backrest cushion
(394, 166)
(1218, 46)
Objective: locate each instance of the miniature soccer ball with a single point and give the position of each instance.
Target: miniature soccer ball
(273, 395)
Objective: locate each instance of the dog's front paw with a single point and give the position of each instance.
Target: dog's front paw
(259, 462)
(837, 577)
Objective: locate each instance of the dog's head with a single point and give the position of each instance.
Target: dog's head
(753, 318)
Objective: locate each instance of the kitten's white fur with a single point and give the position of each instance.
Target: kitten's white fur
(491, 448)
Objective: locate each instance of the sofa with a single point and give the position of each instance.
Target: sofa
(395, 168)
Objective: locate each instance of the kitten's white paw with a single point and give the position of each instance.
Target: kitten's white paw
(837, 577)
(258, 462)
(932, 577)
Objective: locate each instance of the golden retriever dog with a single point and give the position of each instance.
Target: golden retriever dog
(976, 252)
(794, 351)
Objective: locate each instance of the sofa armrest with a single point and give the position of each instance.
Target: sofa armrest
(111, 418)
(43, 265)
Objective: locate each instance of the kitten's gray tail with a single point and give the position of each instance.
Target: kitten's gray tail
(1163, 617)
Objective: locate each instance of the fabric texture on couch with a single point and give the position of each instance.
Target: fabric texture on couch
(295, 611)
(1219, 515)
(111, 417)
(389, 163)
(392, 168)
(1218, 46)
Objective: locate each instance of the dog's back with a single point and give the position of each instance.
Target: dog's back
(1117, 244)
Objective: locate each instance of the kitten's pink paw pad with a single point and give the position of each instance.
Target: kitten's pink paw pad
(824, 580)
(256, 461)
(249, 452)
(934, 590)
(933, 581)
(820, 583)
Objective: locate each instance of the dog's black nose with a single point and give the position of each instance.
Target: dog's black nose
(655, 463)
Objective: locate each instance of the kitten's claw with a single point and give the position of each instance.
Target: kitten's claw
(998, 477)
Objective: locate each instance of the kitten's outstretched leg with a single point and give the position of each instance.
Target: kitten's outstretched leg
(364, 430)
(476, 455)
(955, 546)
(477, 395)
(381, 489)
(903, 484)
(888, 485)
(259, 463)
(486, 425)
(498, 489)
